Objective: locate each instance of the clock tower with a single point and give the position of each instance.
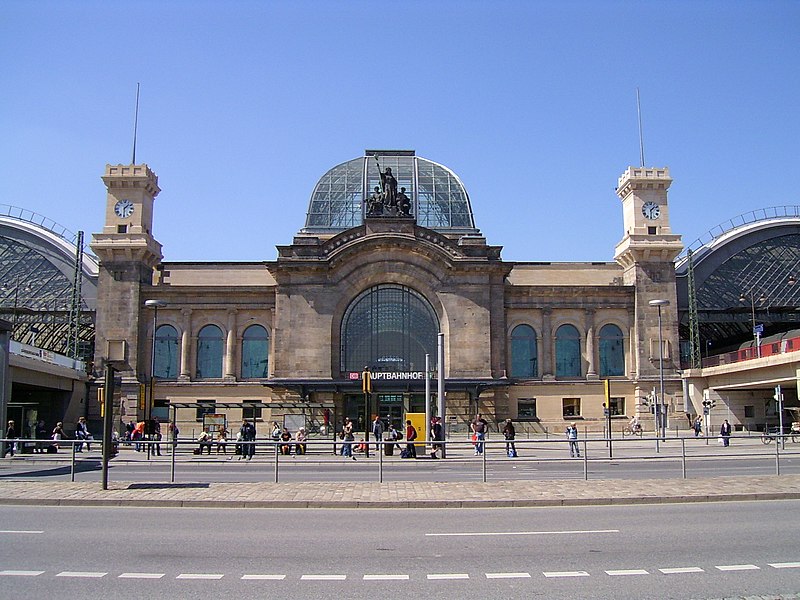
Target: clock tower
(646, 254)
(128, 255)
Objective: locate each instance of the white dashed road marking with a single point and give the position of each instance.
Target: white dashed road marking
(21, 573)
(262, 577)
(786, 565)
(565, 574)
(627, 572)
(738, 567)
(385, 577)
(507, 575)
(81, 574)
(490, 533)
(448, 576)
(141, 575)
(670, 571)
(324, 577)
(200, 576)
(18, 531)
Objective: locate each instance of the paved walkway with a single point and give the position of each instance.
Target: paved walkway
(399, 494)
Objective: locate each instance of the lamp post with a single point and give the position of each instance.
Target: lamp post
(757, 329)
(155, 305)
(659, 405)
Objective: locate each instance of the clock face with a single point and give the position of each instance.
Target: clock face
(651, 210)
(124, 208)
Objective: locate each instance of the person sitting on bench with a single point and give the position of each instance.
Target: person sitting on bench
(286, 437)
(205, 440)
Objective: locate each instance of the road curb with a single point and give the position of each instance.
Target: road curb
(383, 504)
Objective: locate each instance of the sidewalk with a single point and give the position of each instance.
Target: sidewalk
(401, 494)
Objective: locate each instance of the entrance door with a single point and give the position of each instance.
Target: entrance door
(390, 408)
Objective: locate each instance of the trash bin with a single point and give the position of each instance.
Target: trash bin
(388, 449)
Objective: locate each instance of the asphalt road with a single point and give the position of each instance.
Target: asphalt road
(651, 551)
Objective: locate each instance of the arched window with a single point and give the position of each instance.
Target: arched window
(612, 351)
(388, 328)
(166, 356)
(209, 352)
(255, 352)
(523, 352)
(568, 352)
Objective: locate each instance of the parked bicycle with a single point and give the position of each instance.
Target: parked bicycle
(771, 434)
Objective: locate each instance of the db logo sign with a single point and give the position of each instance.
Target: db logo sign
(355, 376)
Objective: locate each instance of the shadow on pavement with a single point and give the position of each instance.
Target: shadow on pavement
(82, 466)
(165, 486)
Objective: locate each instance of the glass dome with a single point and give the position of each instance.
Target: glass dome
(438, 198)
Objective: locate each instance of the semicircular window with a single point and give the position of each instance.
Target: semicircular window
(612, 351)
(568, 352)
(166, 362)
(388, 328)
(523, 352)
(209, 352)
(255, 352)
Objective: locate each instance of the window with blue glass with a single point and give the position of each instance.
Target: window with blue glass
(612, 351)
(166, 356)
(389, 328)
(523, 352)
(209, 352)
(255, 352)
(568, 352)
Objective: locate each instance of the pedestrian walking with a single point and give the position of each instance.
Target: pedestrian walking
(248, 431)
(437, 435)
(572, 436)
(157, 436)
(510, 433)
(377, 429)
(40, 433)
(411, 435)
(347, 439)
(697, 426)
(82, 433)
(58, 434)
(479, 426)
(11, 434)
(725, 432)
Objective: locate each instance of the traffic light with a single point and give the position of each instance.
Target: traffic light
(708, 405)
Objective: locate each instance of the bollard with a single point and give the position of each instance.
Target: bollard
(380, 461)
(277, 454)
(683, 456)
(72, 466)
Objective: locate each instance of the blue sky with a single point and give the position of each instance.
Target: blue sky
(245, 105)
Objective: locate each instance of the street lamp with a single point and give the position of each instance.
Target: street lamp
(659, 421)
(757, 330)
(155, 305)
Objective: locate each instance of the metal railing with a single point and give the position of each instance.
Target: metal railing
(593, 451)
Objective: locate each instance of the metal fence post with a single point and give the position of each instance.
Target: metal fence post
(585, 460)
(683, 456)
(483, 457)
(777, 457)
(172, 462)
(277, 454)
(72, 466)
(378, 449)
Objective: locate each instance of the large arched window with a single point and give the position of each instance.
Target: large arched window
(568, 352)
(612, 351)
(166, 357)
(388, 328)
(523, 352)
(209, 352)
(255, 352)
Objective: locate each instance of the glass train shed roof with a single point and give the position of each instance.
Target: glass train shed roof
(439, 200)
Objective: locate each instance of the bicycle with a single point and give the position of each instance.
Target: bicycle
(769, 435)
(628, 430)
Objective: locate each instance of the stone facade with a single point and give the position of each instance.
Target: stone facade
(302, 297)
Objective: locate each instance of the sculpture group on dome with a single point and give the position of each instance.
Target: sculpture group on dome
(386, 201)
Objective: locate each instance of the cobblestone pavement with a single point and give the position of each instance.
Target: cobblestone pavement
(402, 494)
